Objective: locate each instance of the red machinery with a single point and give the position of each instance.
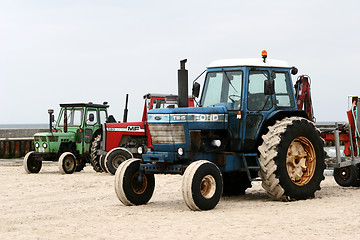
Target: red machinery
(125, 140)
(303, 95)
(346, 166)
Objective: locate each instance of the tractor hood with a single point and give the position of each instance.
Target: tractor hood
(68, 135)
(49, 142)
(170, 128)
(195, 117)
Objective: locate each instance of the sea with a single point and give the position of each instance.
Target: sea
(24, 126)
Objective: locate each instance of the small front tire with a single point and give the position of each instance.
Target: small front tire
(102, 163)
(31, 165)
(346, 176)
(202, 185)
(128, 188)
(67, 163)
(115, 157)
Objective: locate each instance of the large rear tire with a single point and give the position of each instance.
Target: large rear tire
(115, 157)
(202, 185)
(347, 176)
(67, 163)
(292, 159)
(94, 157)
(128, 188)
(31, 165)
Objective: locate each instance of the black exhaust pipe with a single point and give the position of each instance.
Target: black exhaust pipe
(183, 85)
(126, 109)
(51, 111)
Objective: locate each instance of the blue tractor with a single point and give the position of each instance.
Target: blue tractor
(247, 127)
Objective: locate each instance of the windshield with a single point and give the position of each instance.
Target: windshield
(223, 87)
(74, 117)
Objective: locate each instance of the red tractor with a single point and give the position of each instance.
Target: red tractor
(121, 141)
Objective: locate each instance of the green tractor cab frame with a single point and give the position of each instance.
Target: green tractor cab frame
(70, 142)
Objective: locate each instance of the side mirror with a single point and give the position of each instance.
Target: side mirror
(91, 117)
(269, 87)
(196, 89)
(294, 70)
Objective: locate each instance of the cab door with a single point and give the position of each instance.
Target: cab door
(257, 106)
(90, 125)
(232, 90)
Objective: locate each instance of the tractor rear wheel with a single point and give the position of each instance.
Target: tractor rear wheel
(94, 157)
(31, 165)
(67, 163)
(292, 159)
(115, 157)
(347, 176)
(130, 188)
(202, 185)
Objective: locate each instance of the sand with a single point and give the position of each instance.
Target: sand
(83, 205)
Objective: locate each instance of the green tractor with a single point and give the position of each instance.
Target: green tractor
(73, 141)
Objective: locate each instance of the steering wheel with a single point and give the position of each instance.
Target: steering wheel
(234, 96)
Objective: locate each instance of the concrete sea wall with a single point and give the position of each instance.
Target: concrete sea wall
(16, 143)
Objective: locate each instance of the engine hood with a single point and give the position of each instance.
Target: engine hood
(196, 117)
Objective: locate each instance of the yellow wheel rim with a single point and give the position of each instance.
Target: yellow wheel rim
(300, 161)
(208, 186)
(139, 187)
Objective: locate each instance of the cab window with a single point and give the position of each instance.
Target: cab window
(103, 116)
(74, 117)
(283, 91)
(223, 87)
(91, 117)
(257, 100)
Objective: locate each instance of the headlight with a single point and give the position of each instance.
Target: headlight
(180, 151)
(37, 145)
(216, 143)
(44, 145)
(140, 150)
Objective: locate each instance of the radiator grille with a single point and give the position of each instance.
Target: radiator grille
(167, 133)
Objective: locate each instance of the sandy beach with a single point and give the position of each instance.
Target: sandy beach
(83, 205)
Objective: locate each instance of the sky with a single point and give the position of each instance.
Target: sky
(54, 51)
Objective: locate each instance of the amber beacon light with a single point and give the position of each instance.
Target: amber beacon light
(264, 55)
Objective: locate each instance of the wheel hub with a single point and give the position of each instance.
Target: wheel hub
(208, 186)
(344, 173)
(139, 187)
(117, 161)
(301, 161)
(69, 164)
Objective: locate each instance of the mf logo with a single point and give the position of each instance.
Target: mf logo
(133, 128)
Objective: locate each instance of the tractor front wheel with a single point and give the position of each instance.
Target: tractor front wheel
(115, 157)
(31, 165)
(67, 163)
(292, 159)
(131, 186)
(102, 163)
(346, 176)
(202, 185)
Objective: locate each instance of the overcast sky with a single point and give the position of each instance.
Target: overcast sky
(54, 52)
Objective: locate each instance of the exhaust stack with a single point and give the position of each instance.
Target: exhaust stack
(126, 109)
(51, 111)
(183, 85)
